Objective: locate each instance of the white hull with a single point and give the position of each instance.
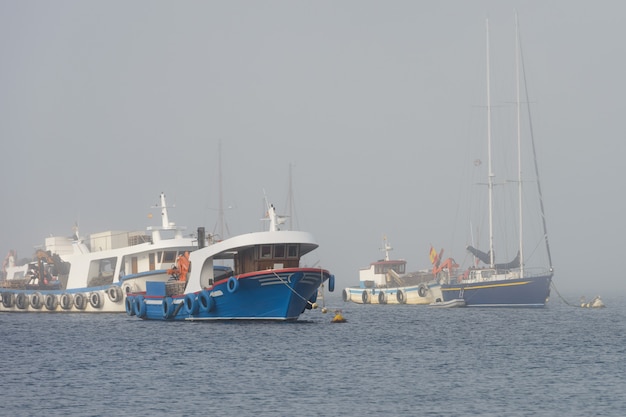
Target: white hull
(104, 299)
(422, 294)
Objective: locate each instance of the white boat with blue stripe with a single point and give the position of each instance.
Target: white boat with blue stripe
(92, 274)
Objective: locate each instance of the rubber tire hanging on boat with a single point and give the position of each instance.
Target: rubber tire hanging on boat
(115, 293)
(128, 305)
(8, 299)
(401, 296)
(381, 298)
(139, 307)
(365, 297)
(95, 300)
(80, 301)
(66, 301)
(168, 307)
(206, 302)
(51, 302)
(232, 285)
(331, 283)
(36, 300)
(191, 304)
(21, 301)
(422, 290)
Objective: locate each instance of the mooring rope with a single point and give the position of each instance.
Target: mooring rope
(560, 296)
(292, 290)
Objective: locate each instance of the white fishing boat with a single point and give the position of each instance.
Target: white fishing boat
(94, 273)
(386, 282)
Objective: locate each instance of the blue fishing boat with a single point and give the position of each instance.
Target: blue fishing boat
(264, 281)
(514, 283)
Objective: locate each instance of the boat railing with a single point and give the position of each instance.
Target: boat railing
(536, 271)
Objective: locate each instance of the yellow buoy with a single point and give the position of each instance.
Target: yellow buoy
(339, 318)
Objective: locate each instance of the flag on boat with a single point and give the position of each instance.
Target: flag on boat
(434, 258)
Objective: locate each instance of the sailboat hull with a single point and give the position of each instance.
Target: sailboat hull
(520, 292)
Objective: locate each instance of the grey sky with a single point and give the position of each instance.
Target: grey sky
(104, 104)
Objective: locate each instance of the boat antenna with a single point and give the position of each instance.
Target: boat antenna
(386, 247)
(532, 141)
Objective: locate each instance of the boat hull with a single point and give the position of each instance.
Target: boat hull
(422, 294)
(97, 299)
(520, 292)
(281, 295)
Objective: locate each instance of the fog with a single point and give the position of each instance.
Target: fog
(371, 107)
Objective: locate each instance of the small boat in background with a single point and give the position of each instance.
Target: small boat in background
(93, 274)
(387, 282)
(264, 282)
(596, 302)
(457, 302)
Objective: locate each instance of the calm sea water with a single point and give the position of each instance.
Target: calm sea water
(387, 360)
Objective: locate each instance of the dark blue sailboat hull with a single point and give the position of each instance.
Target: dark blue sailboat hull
(522, 292)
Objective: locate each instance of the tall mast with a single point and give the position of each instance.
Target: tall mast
(532, 142)
(519, 149)
(490, 175)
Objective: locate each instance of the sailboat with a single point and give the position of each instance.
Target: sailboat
(508, 284)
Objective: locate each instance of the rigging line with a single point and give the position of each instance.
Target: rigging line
(532, 141)
(292, 290)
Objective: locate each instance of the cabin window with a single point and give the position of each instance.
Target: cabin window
(266, 251)
(399, 269)
(292, 251)
(101, 272)
(279, 251)
(169, 257)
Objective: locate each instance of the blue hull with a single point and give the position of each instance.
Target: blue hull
(273, 295)
(525, 292)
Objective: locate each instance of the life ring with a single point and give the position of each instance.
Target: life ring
(206, 301)
(191, 304)
(382, 299)
(401, 297)
(80, 301)
(36, 300)
(232, 285)
(345, 295)
(95, 300)
(128, 305)
(331, 283)
(422, 290)
(21, 301)
(115, 293)
(51, 302)
(365, 297)
(139, 307)
(168, 308)
(8, 299)
(66, 301)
